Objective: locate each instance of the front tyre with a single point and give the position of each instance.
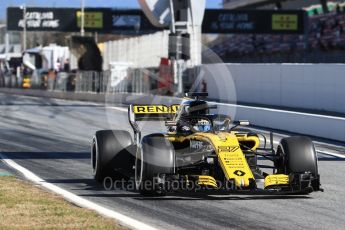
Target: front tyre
(298, 155)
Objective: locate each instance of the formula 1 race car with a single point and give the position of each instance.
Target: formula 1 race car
(205, 151)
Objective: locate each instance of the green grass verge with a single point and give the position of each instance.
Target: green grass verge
(25, 206)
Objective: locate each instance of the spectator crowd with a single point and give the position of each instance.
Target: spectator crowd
(324, 34)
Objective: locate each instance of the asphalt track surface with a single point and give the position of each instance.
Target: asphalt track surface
(52, 138)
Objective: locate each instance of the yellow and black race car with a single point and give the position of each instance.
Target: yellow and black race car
(202, 151)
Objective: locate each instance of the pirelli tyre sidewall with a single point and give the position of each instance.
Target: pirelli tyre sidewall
(107, 145)
(297, 155)
(155, 157)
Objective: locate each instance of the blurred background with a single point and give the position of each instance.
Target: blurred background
(42, 44)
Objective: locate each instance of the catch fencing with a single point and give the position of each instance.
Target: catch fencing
(135, 81)
(142, 81)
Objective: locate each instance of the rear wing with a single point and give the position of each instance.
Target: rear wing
(149, 113)
(152, 112)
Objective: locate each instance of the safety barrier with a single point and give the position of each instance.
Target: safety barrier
(329, 127)
(9, 81)
(304, 86)
(135, 81)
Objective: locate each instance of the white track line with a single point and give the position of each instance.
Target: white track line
(322, 152)
(125, 220)
(331, 154)
(281, 111)
(122, 109)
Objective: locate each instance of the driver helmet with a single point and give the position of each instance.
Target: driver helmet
(202, 126)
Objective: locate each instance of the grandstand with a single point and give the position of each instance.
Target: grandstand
(323, 41)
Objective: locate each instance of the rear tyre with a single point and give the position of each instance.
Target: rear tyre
(298, 155)
(155, 158)
(2, 82)
(110, 150)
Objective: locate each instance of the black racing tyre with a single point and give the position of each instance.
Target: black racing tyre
(297, 155)
(111, 149)
(155, 158)
(2, 81)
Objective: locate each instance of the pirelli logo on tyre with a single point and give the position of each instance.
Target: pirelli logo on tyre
(155, 109)
(230, 149)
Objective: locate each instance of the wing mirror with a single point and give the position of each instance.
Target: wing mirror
(244, 122)
(240, 122)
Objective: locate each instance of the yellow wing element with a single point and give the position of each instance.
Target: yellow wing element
(276, 180)
(202, 180)
(207, 181)
(155, 109)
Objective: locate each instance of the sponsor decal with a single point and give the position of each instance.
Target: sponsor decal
(203, 122)
(92, 20)
(196, 144)
(126, 20)
(228, 148)
(284, 22)
(37, 19)
(155, 109)
(254, 21)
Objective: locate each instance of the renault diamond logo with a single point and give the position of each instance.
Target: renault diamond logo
(239, 173)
